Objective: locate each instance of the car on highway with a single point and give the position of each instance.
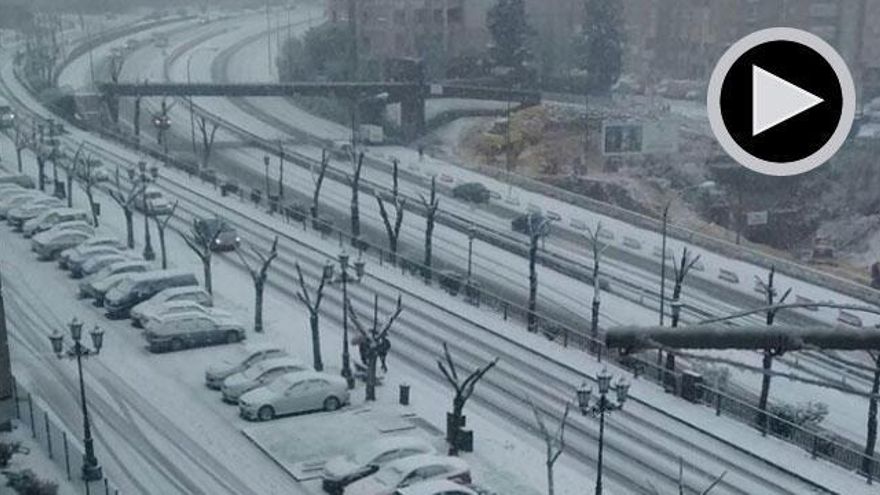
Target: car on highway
(475, 192)
(525, 222)
(47, 245)
(21, 214)
(258, 375)
(94, 170)
(410, 471)
(156, 202)
(160, 312)
(227, 239)
(18, 198)
(368, 458)
(191, 293)
(254, 354)
(439, 487)
(303, 391)
(77, 252)
(81, 255)
(97, 263)
(97, 285)
(143, 286)
(190, 330)
(49, 218)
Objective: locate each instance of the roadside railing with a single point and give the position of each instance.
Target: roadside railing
(62, 447)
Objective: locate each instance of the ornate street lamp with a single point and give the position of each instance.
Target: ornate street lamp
(346, 357)
(149, 254)
(598, 407)
(91, 470)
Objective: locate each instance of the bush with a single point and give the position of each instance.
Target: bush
(787, 416)
(9, 449)
(26, 482)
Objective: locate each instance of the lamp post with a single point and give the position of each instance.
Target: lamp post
(704, 185)
(597, 407)
(472, 233)
(281, 171)
(91, 470)
(266, 173)
(346, 357)
(145, 180)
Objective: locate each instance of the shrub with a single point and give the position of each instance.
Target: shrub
(9, 449)
(787, 416)
(26, 482)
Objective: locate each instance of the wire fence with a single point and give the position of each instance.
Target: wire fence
(63, 448)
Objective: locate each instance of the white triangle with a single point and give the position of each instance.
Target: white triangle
(775, 100)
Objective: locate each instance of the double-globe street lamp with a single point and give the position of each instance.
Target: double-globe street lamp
(91, 470)
(143, 181)
(598, 406)
(677, 194)
(359, 266)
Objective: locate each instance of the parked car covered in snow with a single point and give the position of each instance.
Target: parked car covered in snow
(49, 245)
(474, 192)
(143, 286)
(410, 471)
(160, 312)
(254, 354)
(368, 458)
(192, 331)
(77, 225)
(77, 259)
(439, 487)
(18, 198)
(95, 264)
(191, 293)
(49, 218)
(67, 255)
(258, 375)
(97, 285)
(21, 214)
(294, 393)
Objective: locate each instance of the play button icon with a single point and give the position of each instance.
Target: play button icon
(781, 101)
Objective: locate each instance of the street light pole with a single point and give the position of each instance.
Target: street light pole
(266, 174)
(472, 233)
(346, 357)
(281, 173)
(598, 407)
(149, 254)
(91, 469)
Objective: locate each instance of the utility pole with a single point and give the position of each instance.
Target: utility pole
(268, 40)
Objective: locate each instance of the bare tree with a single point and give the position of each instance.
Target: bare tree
(201, 239)
(680, 483)
(536, 229)
(871, 442)
(395, 182)
(259, 274)
(115, 70)
(354, 180)
(319, 181)
(554, 442)
(595, 244)
(393, 230)
(162, 221)
(88, 180)
(314, 307)
(374, 340)
(126, 198)
(769, 290)
(430, 204)
(208, 130)
(463, 390)
(681, 270)
(21, 142)
(70, 173)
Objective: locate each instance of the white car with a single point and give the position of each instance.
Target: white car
(259, 375)
(99, 284)
(293, 393)
(410, 471)
(368, 458)
(191, 293)
(192, 331)
(17, 198)
(76, 260)
(77, 225)
(156, 202)
(65, 256)
(254, 354)
(49, 218)
(48, 246)
(95, 264)
(437, 487)
(170, 309)
(21, 214)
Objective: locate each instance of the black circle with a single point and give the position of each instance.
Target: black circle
(800, 136)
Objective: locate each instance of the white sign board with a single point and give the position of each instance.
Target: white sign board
(754, 218)
(436, 90)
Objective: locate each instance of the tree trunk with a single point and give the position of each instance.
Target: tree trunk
(533, 285)
(429, 235)
(69, 189)
(550, 486)
(41, 168)
(371, 376)
(18, 156)
(318, 363)
(129, 227)
(457, 408)
(258, 307)
(355, 214)
(392, 246)
(91, 197)
(206, 265)
(871, 442)
(162, 247)
(767, 364)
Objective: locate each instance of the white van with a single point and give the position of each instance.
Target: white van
(49, 218)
